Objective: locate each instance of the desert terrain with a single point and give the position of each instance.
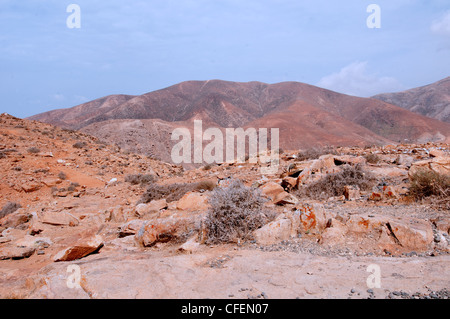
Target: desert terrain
(82, 218)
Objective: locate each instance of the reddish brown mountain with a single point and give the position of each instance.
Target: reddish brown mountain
(306, 115)
(431, 100)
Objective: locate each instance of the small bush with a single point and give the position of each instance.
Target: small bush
(174, 192)
(315, 153)
(33, 150)
(372, 158)
(136, 179)
(236, 211)
(429, 184)
(171, 193)
(73, 187)
(62, 176)
(79, 145)
(206, 185)
(333, 184)
(2, 155)
(9, 208)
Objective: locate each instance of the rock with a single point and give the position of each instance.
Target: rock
(31, 187)
(115, 214)
(190, 246)
(193, 202)
(153, 207)
(313, 218)
(59, 219)
(375, 196)
(442, 224)
(412, 234)
(437, 153)
(15, 219)
(390, 192)
(130, 228)
(398, 233)
(440, 165)
(285, 198)
(81, 249)
(271, 189)
(165, 230)
(389, 172)
(351, 193)
(333, 236)
(50, 182)
(405, 160)
(274, 232)
(349, 159)
(34, 242)
(289, 183)
(13, 252)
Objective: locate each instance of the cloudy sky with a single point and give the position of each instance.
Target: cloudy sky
(134, 47)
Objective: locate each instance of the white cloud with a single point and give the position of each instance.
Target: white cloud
(442, 25)
(354, 79)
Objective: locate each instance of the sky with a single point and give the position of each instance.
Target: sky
(135, 47)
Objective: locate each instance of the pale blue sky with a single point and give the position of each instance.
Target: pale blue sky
(134, 47)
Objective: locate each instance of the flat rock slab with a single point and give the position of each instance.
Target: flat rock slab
(242, 274)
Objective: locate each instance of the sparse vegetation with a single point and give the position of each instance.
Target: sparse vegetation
(33, 150)
(333, 184)
(80, 145)
(140, 179)
(372, 158)
(62, 176)
(315, 153)
(9, 208)
(236, 211)
(429, 184)
(174, 192)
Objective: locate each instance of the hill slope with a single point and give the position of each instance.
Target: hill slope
(431, 100)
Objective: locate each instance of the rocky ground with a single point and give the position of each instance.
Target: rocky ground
(80, 217)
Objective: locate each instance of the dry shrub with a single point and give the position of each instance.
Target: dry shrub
(174, 192)
(429, 184)
(315, 153)
(9, 208)
(140, 179)
(206, 185)
(62, 176)
(372, 158)
(333, 184)
(79, 145)
(236, 211)
(33, 150)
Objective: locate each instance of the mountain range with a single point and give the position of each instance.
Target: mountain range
(307, 116)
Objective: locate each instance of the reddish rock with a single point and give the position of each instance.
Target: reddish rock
(273, 232)
(82, 248)
(59, 219)
(351, 193)
(193, 202)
